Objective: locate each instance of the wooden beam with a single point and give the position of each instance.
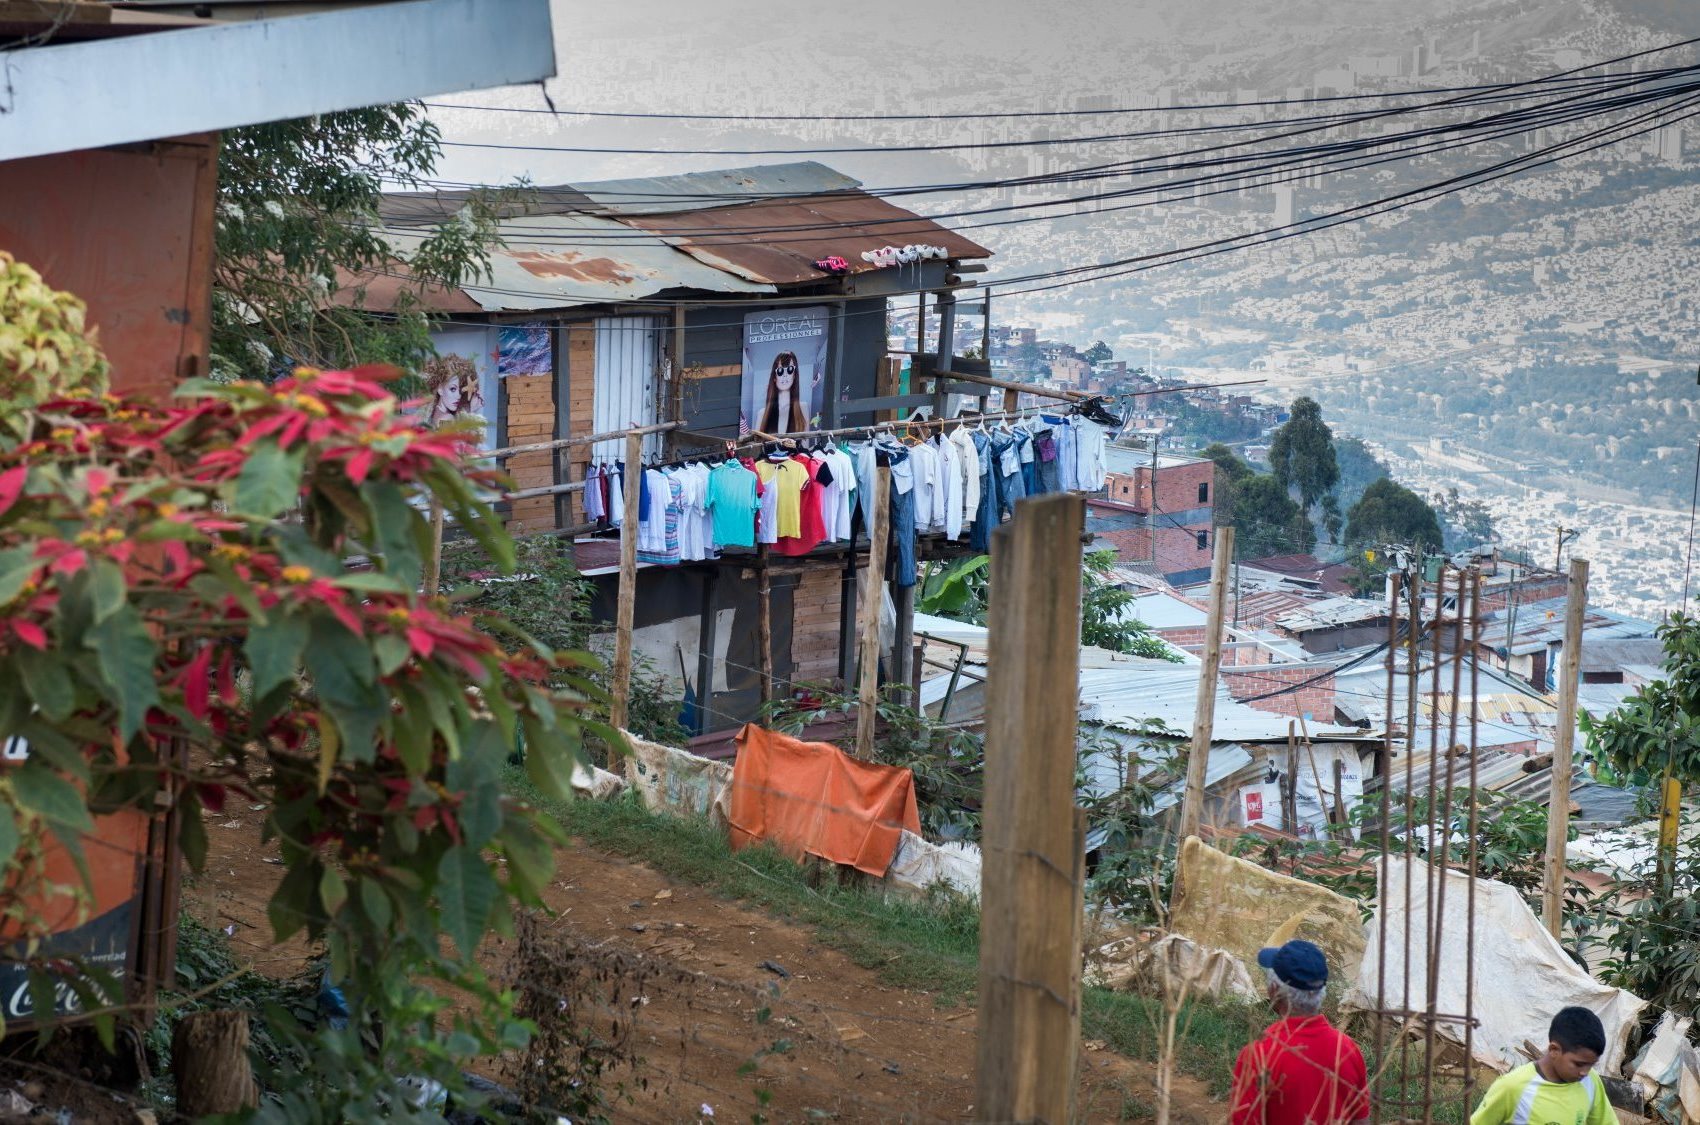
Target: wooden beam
(1204, 713)
(873, 583)
(1563, 746)
(588, 439)
(1030, 912)
(626, 608)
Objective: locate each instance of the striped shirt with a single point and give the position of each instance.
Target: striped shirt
(1523, 1097)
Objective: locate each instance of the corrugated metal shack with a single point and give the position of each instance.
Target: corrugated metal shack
(621, 304)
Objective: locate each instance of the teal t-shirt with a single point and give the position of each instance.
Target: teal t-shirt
(732, 505)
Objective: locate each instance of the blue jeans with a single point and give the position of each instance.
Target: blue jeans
(980, 538)
(901, 564)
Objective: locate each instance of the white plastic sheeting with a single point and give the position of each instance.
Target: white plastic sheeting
(919, 865)
(1522, 975)
(680, 783)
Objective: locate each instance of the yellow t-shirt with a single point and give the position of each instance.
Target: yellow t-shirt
(792, 477)
(1523, 1097)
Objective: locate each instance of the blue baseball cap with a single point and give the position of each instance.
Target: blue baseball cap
(1298, 963)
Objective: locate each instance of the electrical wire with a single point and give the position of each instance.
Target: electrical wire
(1187, 107)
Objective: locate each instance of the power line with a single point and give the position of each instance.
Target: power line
(997, 114)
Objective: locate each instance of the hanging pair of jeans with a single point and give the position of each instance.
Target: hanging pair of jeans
(900, 556)
(1006, 466)
(980, 538)
(1029, 462)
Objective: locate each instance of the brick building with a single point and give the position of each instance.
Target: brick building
(1158, 509)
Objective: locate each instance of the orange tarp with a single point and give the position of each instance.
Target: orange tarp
(812, 798)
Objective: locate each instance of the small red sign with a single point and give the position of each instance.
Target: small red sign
(1253, 807)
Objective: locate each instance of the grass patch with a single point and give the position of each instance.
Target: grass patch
(928, 946)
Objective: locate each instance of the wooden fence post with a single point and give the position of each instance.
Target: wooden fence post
(873, 582)
(627, 605)
(1563, 744)
(1204, 714)
(1030, 913)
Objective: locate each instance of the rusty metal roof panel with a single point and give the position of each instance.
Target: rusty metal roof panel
(779, 241)
(695, 190)
(549, 263)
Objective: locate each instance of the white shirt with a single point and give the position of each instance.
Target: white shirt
(924, 465)
(950, 464)
(1089, 456)
(968, 458)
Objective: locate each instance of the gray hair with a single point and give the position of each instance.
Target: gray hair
(1295, 1001)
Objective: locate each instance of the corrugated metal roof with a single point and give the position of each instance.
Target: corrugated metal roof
(802, 231)
(534, 270)
(693, 190)
(1331, 613)
(736, 231)
(1128, 698)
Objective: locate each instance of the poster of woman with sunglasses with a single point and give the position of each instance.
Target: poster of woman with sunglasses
(784, 370)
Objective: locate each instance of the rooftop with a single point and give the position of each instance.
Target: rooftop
(744, 231)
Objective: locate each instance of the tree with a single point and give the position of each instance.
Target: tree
(1359, 468)
(1099, 352)
(1267, 521)
(1230, 471)
(1388, 512)
(1467, 523)
(1302, 453)
(298, 242)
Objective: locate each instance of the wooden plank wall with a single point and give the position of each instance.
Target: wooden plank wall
(579, 377)
(531, 418)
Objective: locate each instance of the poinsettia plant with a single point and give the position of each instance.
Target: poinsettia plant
(220, 598)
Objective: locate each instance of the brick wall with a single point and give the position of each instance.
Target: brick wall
(815, 625)
(531, 418)
(1315, 699)
(1177, 487)
(1528, 590)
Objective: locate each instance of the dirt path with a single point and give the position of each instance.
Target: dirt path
(720, 1002)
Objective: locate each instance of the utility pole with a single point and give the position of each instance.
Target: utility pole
(626, 607)
(1558, 807)
(1204, 714)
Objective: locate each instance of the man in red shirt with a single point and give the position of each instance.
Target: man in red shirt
(1303, 1071)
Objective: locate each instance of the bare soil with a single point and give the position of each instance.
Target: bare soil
(719, 1002)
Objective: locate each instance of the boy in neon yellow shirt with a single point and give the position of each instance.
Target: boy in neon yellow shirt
(1559, 1088)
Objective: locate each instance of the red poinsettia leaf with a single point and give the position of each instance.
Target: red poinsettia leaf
(31, 634)
(421, 642)
(211, 795)
(12, 486)
(359, 465)
(195, 682)
(227, 676)
(70, 562)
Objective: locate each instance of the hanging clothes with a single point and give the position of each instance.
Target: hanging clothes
(1089, 455)
(1029, 467)
(786, 478)
(732, 502)
(767, 512)
(811, 526)
(968, 461)
(900, 555)
(658, 528)
(616, 483)
(1046, 453)
(950, 462)
(595, 505)
(986, 516)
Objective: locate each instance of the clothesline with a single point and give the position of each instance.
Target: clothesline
(757, 437)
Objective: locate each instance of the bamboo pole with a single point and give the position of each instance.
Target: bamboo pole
(1204, 713)
(873, 582)
(1558, 808)
(627, 606)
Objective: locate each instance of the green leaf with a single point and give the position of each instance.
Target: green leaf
(288, 908)
(393, 520)
(466, 892)
(269, 482)
(373, 581)
(106, 588)
(392, 652)
(274, 652)
(344, 678)
(126, 653)
(376, 902)
(16, 567)
(547, 762)
(48, 682)
(333, 892)
(45, 793)
(192, 836)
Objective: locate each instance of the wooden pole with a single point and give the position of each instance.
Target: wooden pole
(431, 582)
(764, 618)
(209, 1058)
(627, 605)
(1204, 714)
(1558, 807)
(903, 664)
(873, 582)
(1030, 913)
(1670, 820)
